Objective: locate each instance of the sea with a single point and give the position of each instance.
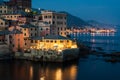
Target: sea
(90, 67)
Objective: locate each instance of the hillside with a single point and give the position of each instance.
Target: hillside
(74, 21)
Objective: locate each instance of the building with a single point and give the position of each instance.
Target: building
(4, 8)
(43, 28)
(16, 39)
(11, 16)
(24, 5)
(57, 20)
(53, 42)
(3, 24)
(28, 31)
(54, 48)
(20, 16)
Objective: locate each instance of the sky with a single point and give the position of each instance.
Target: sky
(105, 11)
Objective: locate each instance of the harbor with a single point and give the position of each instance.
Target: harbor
(91, 66)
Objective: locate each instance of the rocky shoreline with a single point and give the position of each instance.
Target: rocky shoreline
(84, 51)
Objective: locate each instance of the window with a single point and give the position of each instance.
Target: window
(49, 16)
(25, 43)
(41, 40)
(5, 23)
(61, 28)
(46, 34)
(10, 36)
(65, 28)
(0, 11)
(65, 33)
(13, 45)
(1, 23)
(10, 42)
(46, 28)
(24, 34)
(51, 41)
(53, 17)
(47, 40)
(4, 11)
(31, 29)
(61, 41)
(55, 41)
(31, 34)
(35, 41)
(35, 34)
(67, 41)
(45, 16)
(31, 41)
(53, 22)
(24, 29)
(64, 17)
(41, 29)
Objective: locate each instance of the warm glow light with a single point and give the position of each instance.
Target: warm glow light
(31, 47)
(42, 78)
(31, 72)
(73, 71)
(61, 46)
(74, 46)
(58, 74)
(60, 50)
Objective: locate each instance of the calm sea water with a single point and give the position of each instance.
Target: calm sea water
(87, 68)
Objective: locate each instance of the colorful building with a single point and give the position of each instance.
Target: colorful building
(43, 28)
(54, 42)
(57, 20)
(3, 24)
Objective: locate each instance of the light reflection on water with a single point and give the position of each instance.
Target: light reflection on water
(88, 68)
(26, 70)
(109, 42)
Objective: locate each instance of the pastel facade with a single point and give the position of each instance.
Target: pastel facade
(11, 16)
(16, 39)
(57, 20)
(24, 5)
(43, 28)
(4, 8)
(21, 40)
(3, 24)
(28, 31)
(53, 42)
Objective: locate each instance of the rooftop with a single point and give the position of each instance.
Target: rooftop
(28, 26)
(56, 37)
(7, 32)
(4, 32)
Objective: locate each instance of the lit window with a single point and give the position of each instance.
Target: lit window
(61, 41)
(51, 41)
(47, 40)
